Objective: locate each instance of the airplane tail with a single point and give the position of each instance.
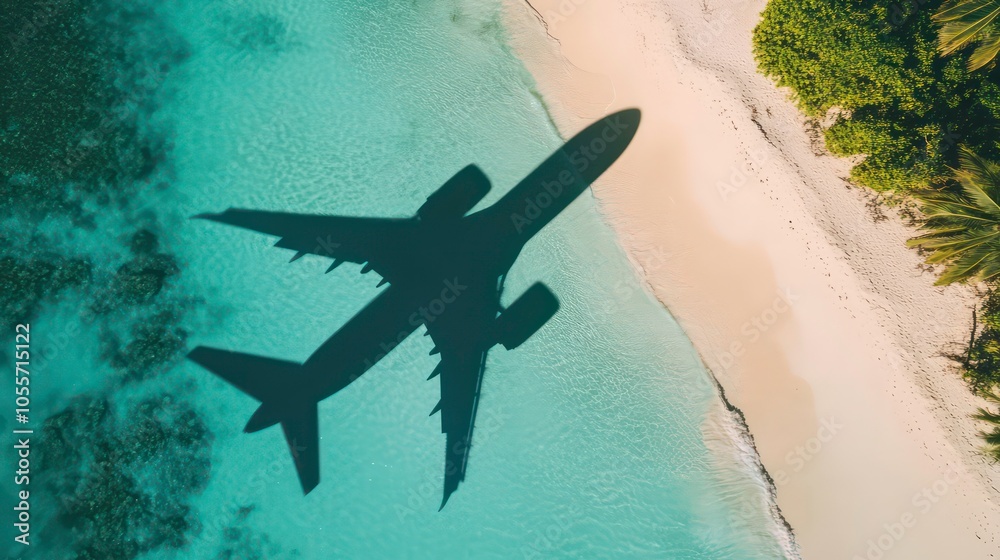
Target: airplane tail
(275, 383)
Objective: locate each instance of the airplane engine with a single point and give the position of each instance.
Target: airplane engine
(457, 196)
(525, 316)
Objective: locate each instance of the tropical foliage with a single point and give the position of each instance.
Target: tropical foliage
(964, 226)
(992, 437)
(873, 69)
(970, 21)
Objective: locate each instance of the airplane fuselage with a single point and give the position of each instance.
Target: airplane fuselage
(446, 274)
(446, 258)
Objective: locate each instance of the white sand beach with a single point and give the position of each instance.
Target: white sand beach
(816, 319)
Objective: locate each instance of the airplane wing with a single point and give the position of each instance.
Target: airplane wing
(462, 336)
(374, 241)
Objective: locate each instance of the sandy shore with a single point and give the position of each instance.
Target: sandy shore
(812, 314)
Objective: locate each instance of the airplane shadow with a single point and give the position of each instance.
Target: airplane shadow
(445, 270)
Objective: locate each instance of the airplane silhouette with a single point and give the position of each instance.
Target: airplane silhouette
(445, 270)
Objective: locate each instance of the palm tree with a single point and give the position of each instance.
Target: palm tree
(964, 227)
(992, 438)
(970, 21)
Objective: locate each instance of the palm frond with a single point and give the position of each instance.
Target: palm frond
(989, 46)
(968, 21)
(961, 230)
(981, 175)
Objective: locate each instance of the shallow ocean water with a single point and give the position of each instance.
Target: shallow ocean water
(365, 108)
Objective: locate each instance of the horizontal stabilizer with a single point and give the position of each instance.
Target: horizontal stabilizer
(272, 382)
(261, 378)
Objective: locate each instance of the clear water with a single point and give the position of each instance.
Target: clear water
(363, 108)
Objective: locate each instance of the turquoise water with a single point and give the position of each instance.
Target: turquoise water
(364, 108)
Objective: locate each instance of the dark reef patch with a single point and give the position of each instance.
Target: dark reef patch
(137, 282)
(26, 283)
(123, 480)
(155, 345)
(81, 79)
(72, 102)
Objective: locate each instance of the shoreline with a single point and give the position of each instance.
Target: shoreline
(814, 317)
(729, 438)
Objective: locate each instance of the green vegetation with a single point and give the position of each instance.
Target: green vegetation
(875, 71)
(964, 226)
(911, 88)
(970, 21)
(992, 437)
